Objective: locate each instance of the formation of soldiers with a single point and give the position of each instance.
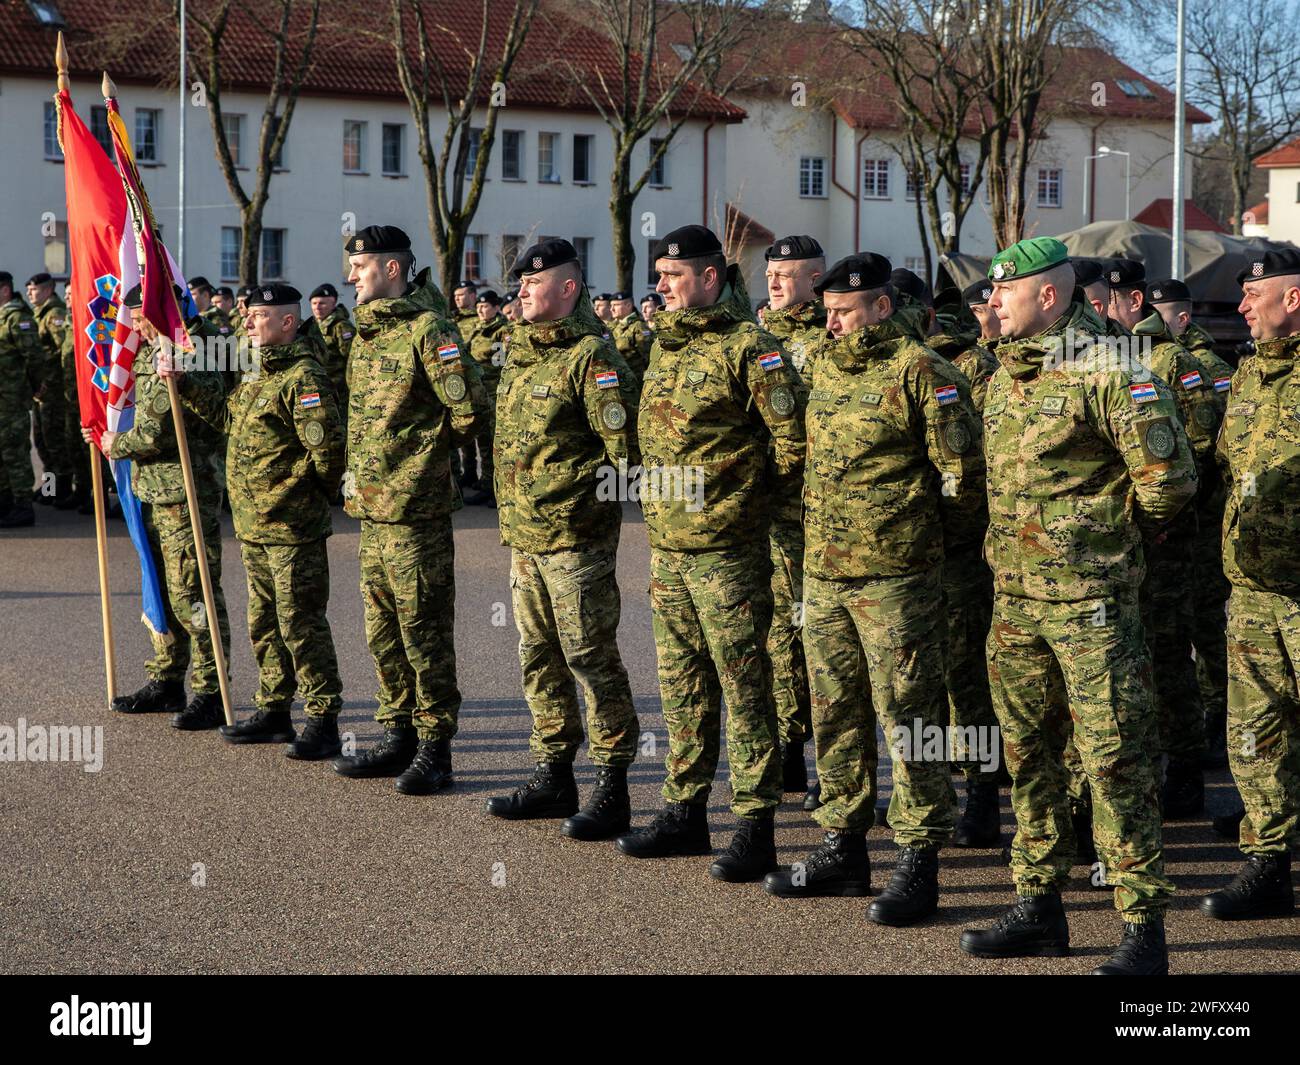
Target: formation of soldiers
(1011, 512)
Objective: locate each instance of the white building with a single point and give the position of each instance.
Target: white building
(1278, 217)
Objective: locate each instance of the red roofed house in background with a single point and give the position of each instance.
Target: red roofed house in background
(1160, 213)
(1281, 214)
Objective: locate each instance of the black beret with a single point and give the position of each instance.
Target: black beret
(1277, 263)
(1086, 272)
(511, 296)
(544, 255)
(688, 242)
(1125, 273)
(244, 292)
(979, 293)
(225, 290)
(620, 295)
(39, 279)
(488, 296)
(274, 294)
(855, 273)
(605, 296)
(200, 282)
(654, 298)
(6, 278)
(325, 290)
(906, 281)
(377, 238)
(471, 285)
(794, 248)
(1170, 290)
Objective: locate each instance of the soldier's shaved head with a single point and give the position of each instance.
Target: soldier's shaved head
(1271, 306)
(1026, 306)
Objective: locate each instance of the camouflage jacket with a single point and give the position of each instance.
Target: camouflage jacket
(566, 434)
(337, 330)
(1083, 458)
(53, 323)
(20, 343)
(633, 339)
(151, 442)
(284, 451)
(467, 322)
(976, 363)
(895, 476)
(219, 320)
(415, 391)
(1200, 407)
(1259, 453)
(802, 331)
(488, 351)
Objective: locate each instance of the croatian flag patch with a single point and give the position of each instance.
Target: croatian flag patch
(1192, 379)
(448, 352)
(1143, 393)
(607, 379)
(770, 361)
(309, 399)
(1222, 384)
(946, 394)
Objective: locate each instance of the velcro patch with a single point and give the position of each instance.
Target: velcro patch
(1222, 384)
(771, 361)
(871, 399)
(388, 365)
(541, 391)
(1191, 379)
(607, 379)
(946, 394)
(309, 399)
(448, 352)
(1144, 392)
(1053, 405)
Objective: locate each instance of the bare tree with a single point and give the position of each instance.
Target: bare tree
(434, 63)
(288, 30)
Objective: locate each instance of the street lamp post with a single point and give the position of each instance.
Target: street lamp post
(1176, 249)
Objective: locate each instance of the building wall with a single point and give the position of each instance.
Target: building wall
(1284, 203)
(311, 196)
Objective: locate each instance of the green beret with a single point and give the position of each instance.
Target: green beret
(1026, 257)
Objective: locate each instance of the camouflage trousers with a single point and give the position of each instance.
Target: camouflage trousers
(1051, 664)
(894, 630)
(968, 599)
(785, 642)
(475, 455)
(51, 418)
(189, 640)
(1167, 618)
(288, 592)
(712, 610)
(16, 472)
(1210, 618)
(78, 455)
(1264, 716)
(567, 607)
(408, 587)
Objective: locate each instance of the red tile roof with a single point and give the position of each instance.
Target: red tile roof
(1160, 213)
(740, 228)
(1257, 215)
(1287, 155)
(138, 43)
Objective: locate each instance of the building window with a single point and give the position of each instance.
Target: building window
(473, 270)
(582, 245)
(913, 184)
(512, 155)
(393, 160)
(99, 129)
(52, 149)
(471, 153)
(354, 147)
(1297, 192)
(232, 238)
(233, 127)
(582, 158)
(875, 179)
(652, 275)
(56, 250)
(812, 176)
(1049, 186)
(915, 263)
(548, 166)
(512, 246)
(278, 160)
(965, 179)
(659, 171)
(1133, 87)
(272, 255)
(148, 127)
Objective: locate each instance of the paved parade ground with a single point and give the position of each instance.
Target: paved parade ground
(305, 871)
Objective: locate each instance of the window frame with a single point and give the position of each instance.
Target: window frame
(588, 142)
(155, 157)
(361, 127)
(519, 152)
(547, 143)
(806, 170)
(881, 174)
(660, 169)
(263, 273)
(231, 275)
(1045, 181)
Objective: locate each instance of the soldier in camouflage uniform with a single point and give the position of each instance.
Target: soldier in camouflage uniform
(1085, 460)
(721, 432)
(1259, 452)
(81, 496)
(53, 323)
(976, 297)
(284, 459)
(567, 413)
(600, 305)
(488, 350)
(337, 329)
(651, 305)
(151, 446)
(21, 376)
(796, 317)
(416, 393)
(1173, 301)
(630, 333)
(895, 480)
(464, 294)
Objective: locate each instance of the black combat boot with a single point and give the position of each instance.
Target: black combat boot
(1263, 888)
(156, 697)
(1184, 791)
(794, 772)
(1229, 825)
(19, 516)
(609, 810)
(265, 726)
(1085, 852)
(204, 712)
(429, 771)
(387, 758)
(1216, 741)
(40, 498)
(882, 815)
(980, 824)
(319, 740)
(72, 499)
(839, 868)
(681, 828)
(1142, 952)
(812, 800)
(552, 792)
(752, 853)
(1035, 927)
(913, 891)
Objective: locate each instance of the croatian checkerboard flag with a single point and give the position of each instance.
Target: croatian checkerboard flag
(104, 268)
